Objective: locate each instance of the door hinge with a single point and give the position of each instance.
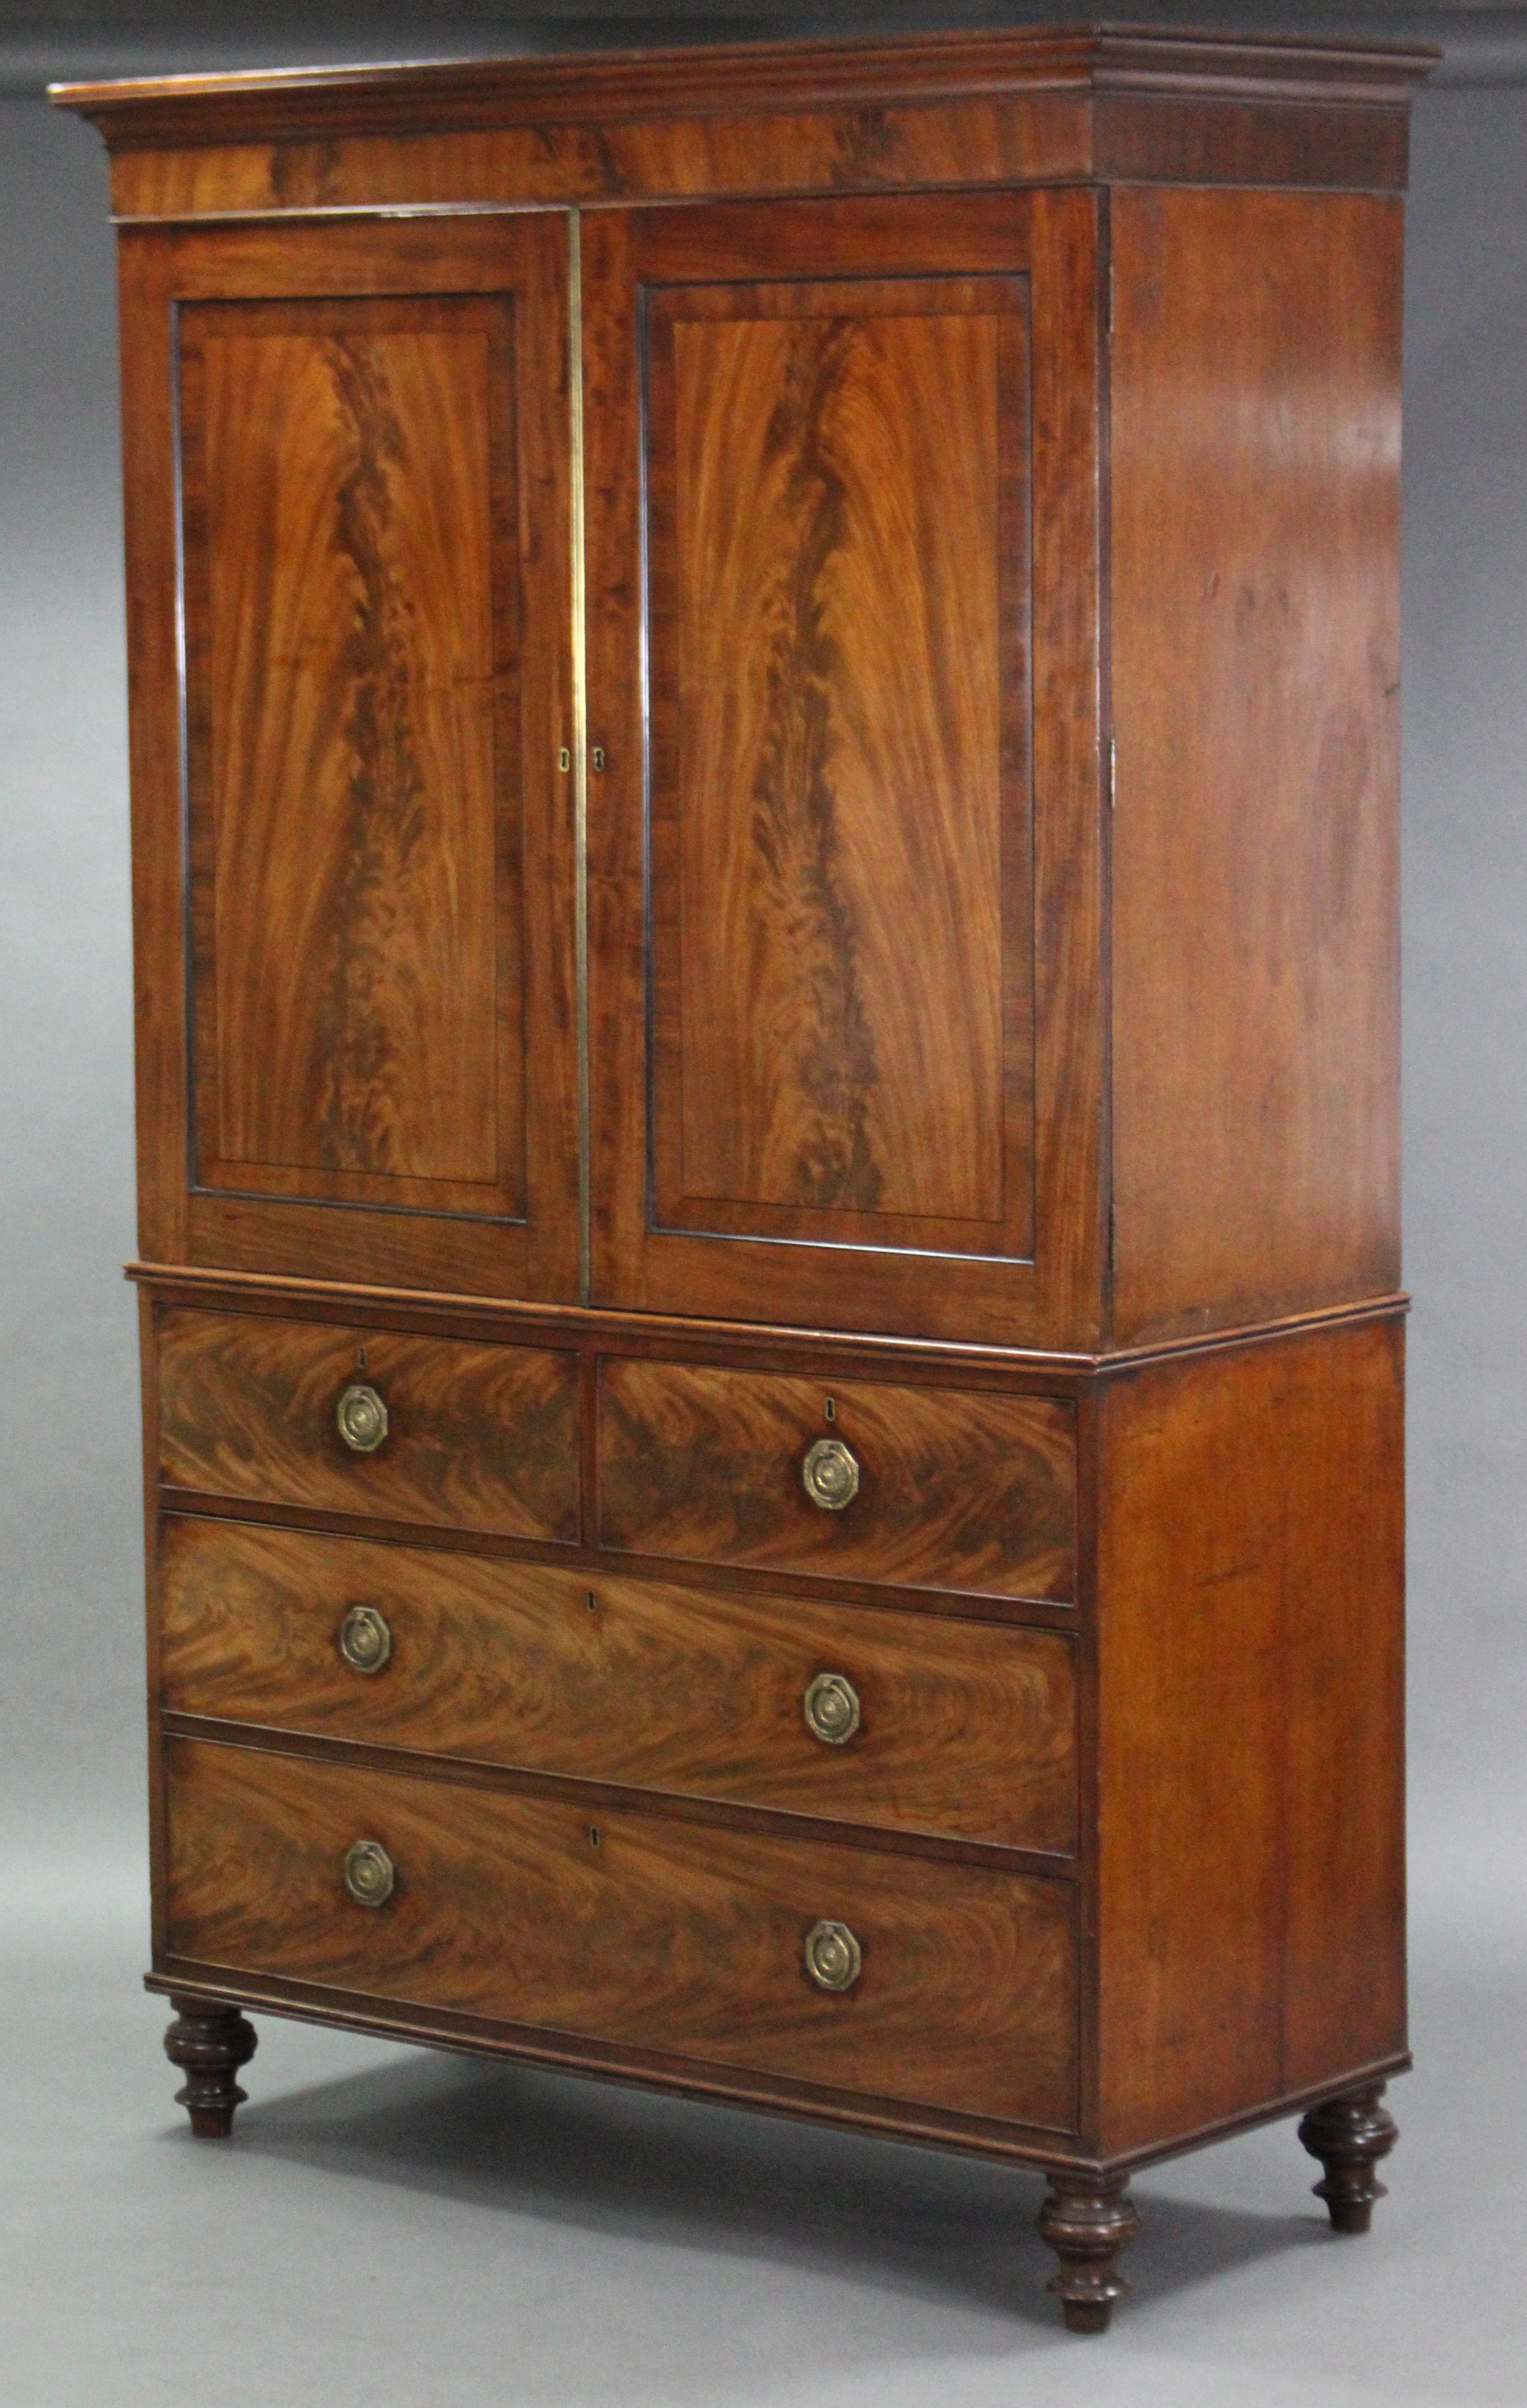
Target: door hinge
(1113, 771)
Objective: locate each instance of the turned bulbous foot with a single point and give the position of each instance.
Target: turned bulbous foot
(209, 2044)
(1349, 2136)
(1087, 2220)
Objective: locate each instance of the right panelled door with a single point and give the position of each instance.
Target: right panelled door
(842, 541)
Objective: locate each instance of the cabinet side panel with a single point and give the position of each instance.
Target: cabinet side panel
(1255, 662)
(1250, 1841)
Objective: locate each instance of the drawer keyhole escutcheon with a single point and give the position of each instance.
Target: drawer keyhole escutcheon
(831, 1706)
(830, 1474)
(832, 1956)
(365, 1641)
(368, 1873)
(361, 1417)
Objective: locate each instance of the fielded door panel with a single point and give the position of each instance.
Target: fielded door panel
(349, 459)
(841, 464)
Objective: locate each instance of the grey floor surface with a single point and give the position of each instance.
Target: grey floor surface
(391, 2227)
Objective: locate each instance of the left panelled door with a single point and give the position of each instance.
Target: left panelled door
(350, 599)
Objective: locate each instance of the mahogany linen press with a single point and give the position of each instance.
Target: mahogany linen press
(764, 717)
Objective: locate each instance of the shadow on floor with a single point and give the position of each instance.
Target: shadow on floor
(673, 2171)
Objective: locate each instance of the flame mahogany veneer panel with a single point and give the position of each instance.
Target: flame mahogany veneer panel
(956, 1491)
(348, 479)
(838, 587)
(481, 1437)
(967, 1728)
(652, 1933)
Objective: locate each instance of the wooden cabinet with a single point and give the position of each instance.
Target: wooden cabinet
(765, 709)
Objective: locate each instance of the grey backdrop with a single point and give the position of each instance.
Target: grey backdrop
(395, 2227)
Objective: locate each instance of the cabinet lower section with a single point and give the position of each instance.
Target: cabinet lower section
(990, 1750)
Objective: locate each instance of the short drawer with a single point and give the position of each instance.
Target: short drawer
(483, 1438)
(631, 1929)
(954, 1490)
(909, 1722)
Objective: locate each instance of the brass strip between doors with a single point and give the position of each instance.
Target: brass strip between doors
(580, 738)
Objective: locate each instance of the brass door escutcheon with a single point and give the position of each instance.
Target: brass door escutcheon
(830, 1474)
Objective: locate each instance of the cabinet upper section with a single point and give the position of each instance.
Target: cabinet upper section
(825, 757)
(1028, 105)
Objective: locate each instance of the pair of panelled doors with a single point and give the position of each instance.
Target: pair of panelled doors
(629, 837)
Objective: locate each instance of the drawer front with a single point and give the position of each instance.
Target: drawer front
(965, 1729)
(955, 1491)
(481, 1437)
(633, 1929)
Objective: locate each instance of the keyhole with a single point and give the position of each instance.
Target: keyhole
(592, 1601)
(564, 760)
(831, 1409)
(598, 757)
(594, 1835)
(359, 1358)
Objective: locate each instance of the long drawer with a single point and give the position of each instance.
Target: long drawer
(634, 1929)
(926, 1488)
(961, 1728)
(484, 1438)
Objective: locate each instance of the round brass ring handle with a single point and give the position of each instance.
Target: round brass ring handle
(361, 1417)
(368, 1873)
(831, 1957)
(365, 1641)
(830, 1474)
(831, 1706)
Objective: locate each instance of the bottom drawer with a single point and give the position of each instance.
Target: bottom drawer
(648, 1931)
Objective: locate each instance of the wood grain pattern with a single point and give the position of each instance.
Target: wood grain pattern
(1050, 138)
(955, 1491)
(885, 147)
(1249, 142)
(1256, 666)
(480, 1437)
(787, 828)
(656, 1930)
(706, 79)
(966, 1728)
(1250, 1728)
(838, 549)
(383, 800)
(1019, 105)
(347, 474)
